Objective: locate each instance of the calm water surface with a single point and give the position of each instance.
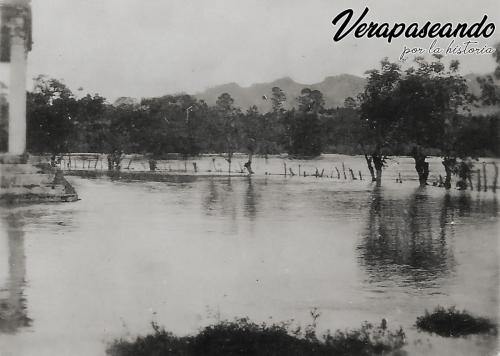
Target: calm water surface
(194, 250)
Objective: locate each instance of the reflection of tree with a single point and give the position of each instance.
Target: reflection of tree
(12, 303)
(225, 197)
(212, 199)
(401, 241)
(407, 241)
(250, 200)
(220, 197)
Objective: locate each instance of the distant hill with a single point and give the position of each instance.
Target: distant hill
(335, 90)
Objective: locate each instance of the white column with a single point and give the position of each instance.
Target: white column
(17, 97)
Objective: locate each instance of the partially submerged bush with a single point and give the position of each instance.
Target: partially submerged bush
(368, 340)
(242, 337)
(454, 323)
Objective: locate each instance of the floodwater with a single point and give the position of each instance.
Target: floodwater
(190, 251)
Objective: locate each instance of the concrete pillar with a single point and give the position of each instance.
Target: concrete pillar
(15, 26)
(17, 97)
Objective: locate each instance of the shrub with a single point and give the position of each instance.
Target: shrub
(242, 337)
(454, 323)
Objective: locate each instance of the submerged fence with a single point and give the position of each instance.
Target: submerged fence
(483, 177)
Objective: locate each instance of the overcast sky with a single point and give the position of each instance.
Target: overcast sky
(146, 48)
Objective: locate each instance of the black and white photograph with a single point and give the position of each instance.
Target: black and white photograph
(249, 178)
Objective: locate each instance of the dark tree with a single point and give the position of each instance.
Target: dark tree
(341, 130)
(311, 101)
(418, 108)
(228, 115)
(4, 113)
(306, 131)
(251, 135)
(379, 115)
(489, 84)
(278, 99)
(431, 98)
(50, 117)
(91, 124)
(271, 129)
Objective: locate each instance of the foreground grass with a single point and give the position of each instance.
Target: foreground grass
(242, 337)
(454, 323)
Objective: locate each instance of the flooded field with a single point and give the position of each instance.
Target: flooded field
(193, 250)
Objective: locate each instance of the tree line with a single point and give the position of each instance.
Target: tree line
(419, 111)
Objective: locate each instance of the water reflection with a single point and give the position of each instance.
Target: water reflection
(250, 200)
(408, 240)
(222, 196)
(13, 314)
(211, 198)
(402, 242)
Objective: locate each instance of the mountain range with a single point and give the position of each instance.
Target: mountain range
(335, 90)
